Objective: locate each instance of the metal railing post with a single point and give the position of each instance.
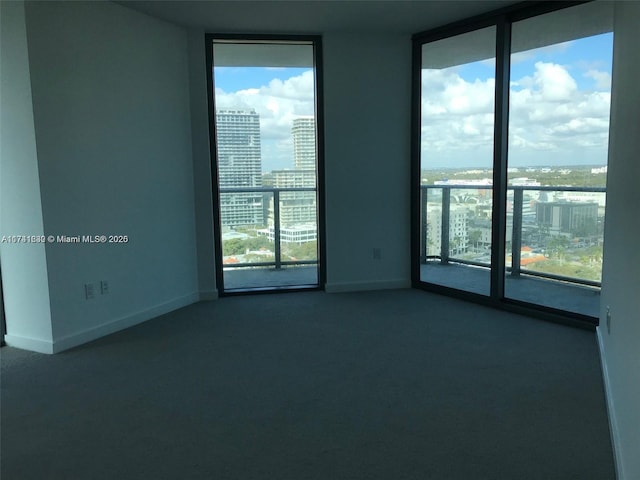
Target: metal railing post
(516, 233)
(446, 215)
(423, 225)
(276, 227)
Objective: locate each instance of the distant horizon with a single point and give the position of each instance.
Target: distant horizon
(539, 166)
(489, 169)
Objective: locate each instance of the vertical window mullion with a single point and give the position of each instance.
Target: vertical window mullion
(500, 139)
(320, 181)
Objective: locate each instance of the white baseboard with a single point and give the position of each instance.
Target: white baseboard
(364, 286)
(113, 326)
(611, 411)
(32, 344)
(206, 296)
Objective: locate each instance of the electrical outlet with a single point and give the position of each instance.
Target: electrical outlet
(104, 287)
(608, 320)
(377, 253)
(89, 291)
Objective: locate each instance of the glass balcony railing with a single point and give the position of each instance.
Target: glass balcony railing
(269, 228)
(551, 232)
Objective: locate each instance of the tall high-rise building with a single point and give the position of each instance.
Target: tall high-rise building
(304, 143)
(298, 210)
(239, 165)
(296, 207)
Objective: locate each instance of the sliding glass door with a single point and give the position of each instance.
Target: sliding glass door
(456, 160)
(560, 93)
(511, 121)
(266, 161)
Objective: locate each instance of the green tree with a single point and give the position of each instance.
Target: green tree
(455, 245)
(234, 246)
(558, 245)
(256, 243)
(543, 232)
(474, 237)
(304, 251)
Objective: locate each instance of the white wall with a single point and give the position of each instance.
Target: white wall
(367, 160)
(621, 273)
(367, 93)
(112, 121)
(24, 266)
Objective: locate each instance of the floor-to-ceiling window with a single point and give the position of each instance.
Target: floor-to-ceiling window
(265, 125)
(456, 159)
(560, 91)
(509, 174)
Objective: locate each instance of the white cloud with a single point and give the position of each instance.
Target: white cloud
(518, 141)
(554, 82)
(457, 115)
(548, 113)
(602, 79)
(578, 126)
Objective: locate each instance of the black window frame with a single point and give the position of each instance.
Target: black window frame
(316, 42)
(502, 19)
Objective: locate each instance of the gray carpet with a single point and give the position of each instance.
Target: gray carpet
(379, 385)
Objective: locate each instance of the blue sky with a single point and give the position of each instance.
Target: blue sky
(578, 56)
(232, 79)
(591, 52)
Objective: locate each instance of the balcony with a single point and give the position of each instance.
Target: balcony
(279, 249)
(553, 254)
(553, 257)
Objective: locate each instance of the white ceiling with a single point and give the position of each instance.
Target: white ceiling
(314, 16)
(372, 16)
